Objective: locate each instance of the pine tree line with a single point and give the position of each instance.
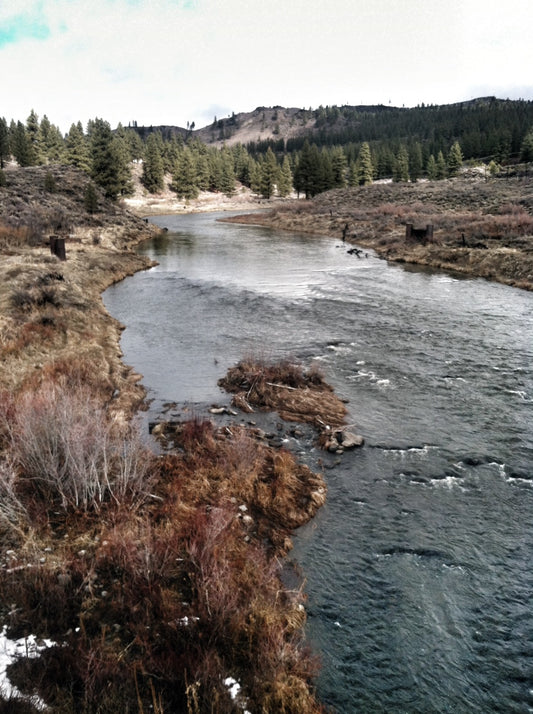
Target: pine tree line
(188, 166)
(107, 156)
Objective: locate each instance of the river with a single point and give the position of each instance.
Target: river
(419, 569)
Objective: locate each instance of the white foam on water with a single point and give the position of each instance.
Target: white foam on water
(448, 482)
(521, 394)
(372, 377)
(413, 451)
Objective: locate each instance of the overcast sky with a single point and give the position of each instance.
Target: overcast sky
(174, 61)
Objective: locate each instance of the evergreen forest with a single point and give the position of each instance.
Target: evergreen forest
(336, 147)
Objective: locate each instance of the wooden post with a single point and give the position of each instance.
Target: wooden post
(408, 230)
(57, 247)
(429, 231)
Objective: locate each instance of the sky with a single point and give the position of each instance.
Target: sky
(169, 62)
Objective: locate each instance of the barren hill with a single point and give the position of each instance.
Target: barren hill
(270, 124)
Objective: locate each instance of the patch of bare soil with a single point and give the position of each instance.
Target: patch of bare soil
(480, 228)
(143, 203)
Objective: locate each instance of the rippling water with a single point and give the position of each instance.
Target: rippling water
(420, 566)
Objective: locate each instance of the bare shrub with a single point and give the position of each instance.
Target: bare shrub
(12, 510)
(64, 446)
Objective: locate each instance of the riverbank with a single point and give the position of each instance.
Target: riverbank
(480, 228)
(53, 323)
(156, 580)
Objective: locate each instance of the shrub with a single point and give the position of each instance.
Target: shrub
(50, 185)
(12, 510)
(64, 446)
(90, 198)
(11, 236)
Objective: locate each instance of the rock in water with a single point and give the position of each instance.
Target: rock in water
(351, 440)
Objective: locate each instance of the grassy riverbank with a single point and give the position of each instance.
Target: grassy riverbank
(154, 579)
(482, 228)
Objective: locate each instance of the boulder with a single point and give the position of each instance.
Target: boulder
(349, 440)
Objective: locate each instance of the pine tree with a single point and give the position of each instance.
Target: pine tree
(431, 168)
(170, 152)
(4, 142)
(202, 172)
(353, 179)
(385, 162)
(339, 164)
(307, 173)
(255, 175)
(153, 169)
(50, 185)
(32, 133)
(51, 144)
(120, 148)
(364, 168)
(401, 165)
(43, 132)
(135, 144)
(228, 173)
(184, 178)
(214, 159)
(415, 161)
(90, 198)
(20, 145)
(455, 159)
(269, 174)
(77, 148)
(526, 149)
(441, 168)
(110, 168)
(326, 179)
(285, 178)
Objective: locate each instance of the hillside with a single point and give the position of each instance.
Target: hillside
(486, 127)
(268, 124)
(274, 124)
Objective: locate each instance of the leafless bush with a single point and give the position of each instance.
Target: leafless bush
(64, 445)
(12, 510)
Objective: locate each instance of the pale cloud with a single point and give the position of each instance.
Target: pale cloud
(173, 61)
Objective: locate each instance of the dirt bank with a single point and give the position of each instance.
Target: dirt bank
(480, 228)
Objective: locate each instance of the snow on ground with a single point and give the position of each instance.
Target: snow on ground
(10, 650)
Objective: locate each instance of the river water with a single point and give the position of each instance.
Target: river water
(419, 569)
